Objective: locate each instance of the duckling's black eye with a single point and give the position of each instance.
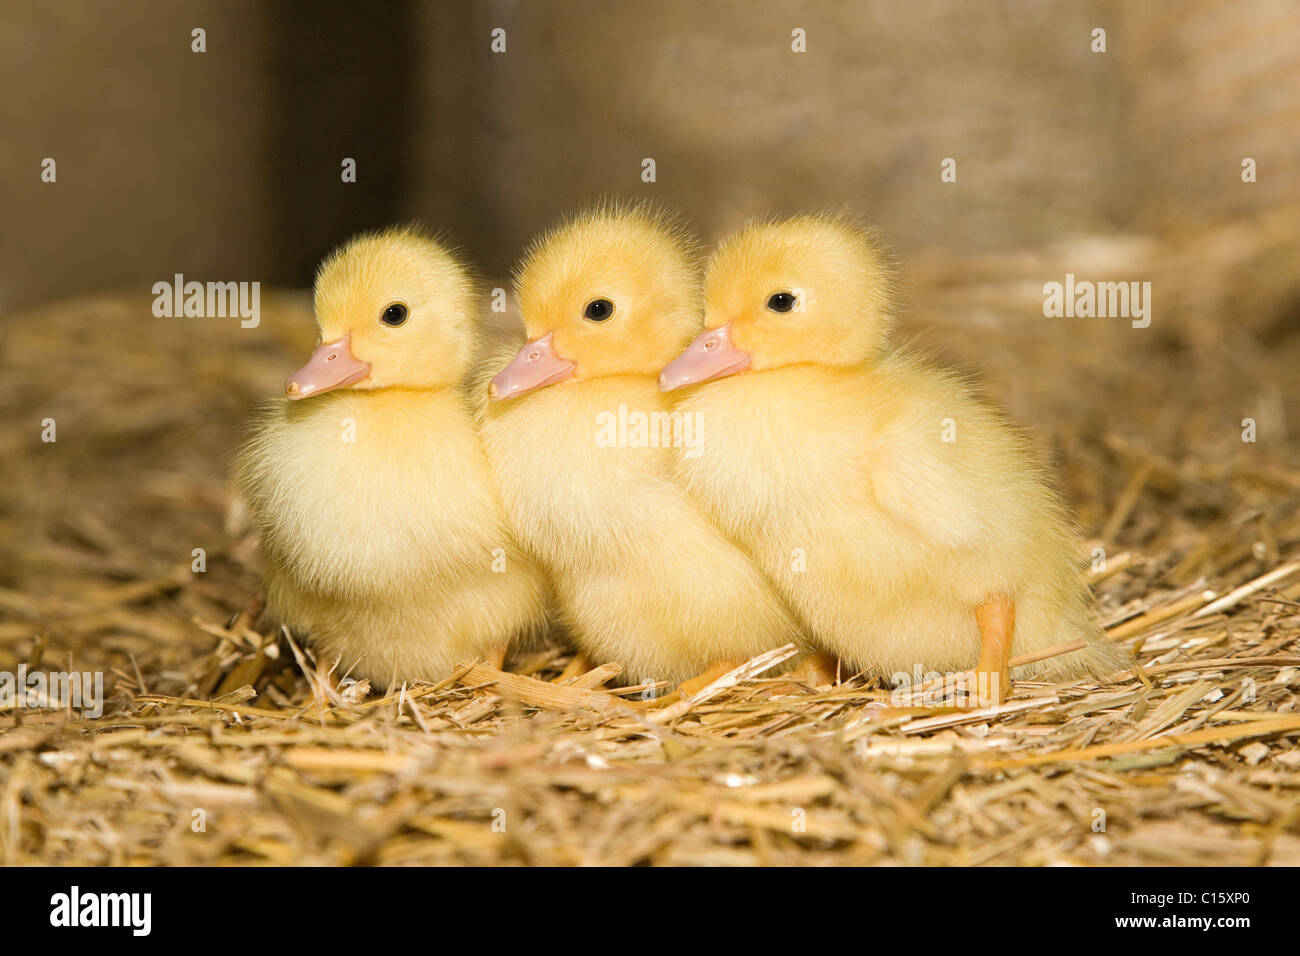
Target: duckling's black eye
(598, 310)
(394, 315)
(781, 302)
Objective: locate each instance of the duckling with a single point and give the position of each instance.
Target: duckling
(382, 536)
(579, 438)
(902, 519)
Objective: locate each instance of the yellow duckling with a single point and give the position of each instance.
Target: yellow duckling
(580, 439)
(902, 519)
(382, 536)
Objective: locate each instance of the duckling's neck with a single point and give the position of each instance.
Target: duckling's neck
(388, 403)
(792, 398)
(620, 385)
(800, 379)
(404, 393)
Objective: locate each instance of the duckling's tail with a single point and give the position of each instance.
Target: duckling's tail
(1098, 659)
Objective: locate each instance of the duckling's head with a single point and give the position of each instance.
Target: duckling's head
(395, 309)
(812, 290)
(614, 291)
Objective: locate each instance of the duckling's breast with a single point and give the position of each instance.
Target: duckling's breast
(361, 493)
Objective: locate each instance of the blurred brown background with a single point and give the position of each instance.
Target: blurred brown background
(1115, 166)
(225, 164)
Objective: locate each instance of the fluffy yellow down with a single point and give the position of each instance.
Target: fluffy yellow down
(382, 537)
(827, 461)
(641, 577)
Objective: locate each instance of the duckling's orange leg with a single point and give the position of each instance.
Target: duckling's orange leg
(997, 622)
(496, 657)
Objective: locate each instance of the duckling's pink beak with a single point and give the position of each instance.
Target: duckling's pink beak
(712, 355)
(331, 366)
(536, 366)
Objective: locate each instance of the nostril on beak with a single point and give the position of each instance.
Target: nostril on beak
(292, 388)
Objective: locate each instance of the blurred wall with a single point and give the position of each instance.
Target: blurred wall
(1206, 85)
(223, 164)
(739, 124)
(160, 153)
(226, 164)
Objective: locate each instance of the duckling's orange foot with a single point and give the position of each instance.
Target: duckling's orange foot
(815, 670)
(691, 687)
(991, 682)
(579, 664)
(249, 615)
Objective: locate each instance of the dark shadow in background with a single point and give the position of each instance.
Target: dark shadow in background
(343, 78)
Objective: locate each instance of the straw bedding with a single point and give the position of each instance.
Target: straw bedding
(222, 744)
